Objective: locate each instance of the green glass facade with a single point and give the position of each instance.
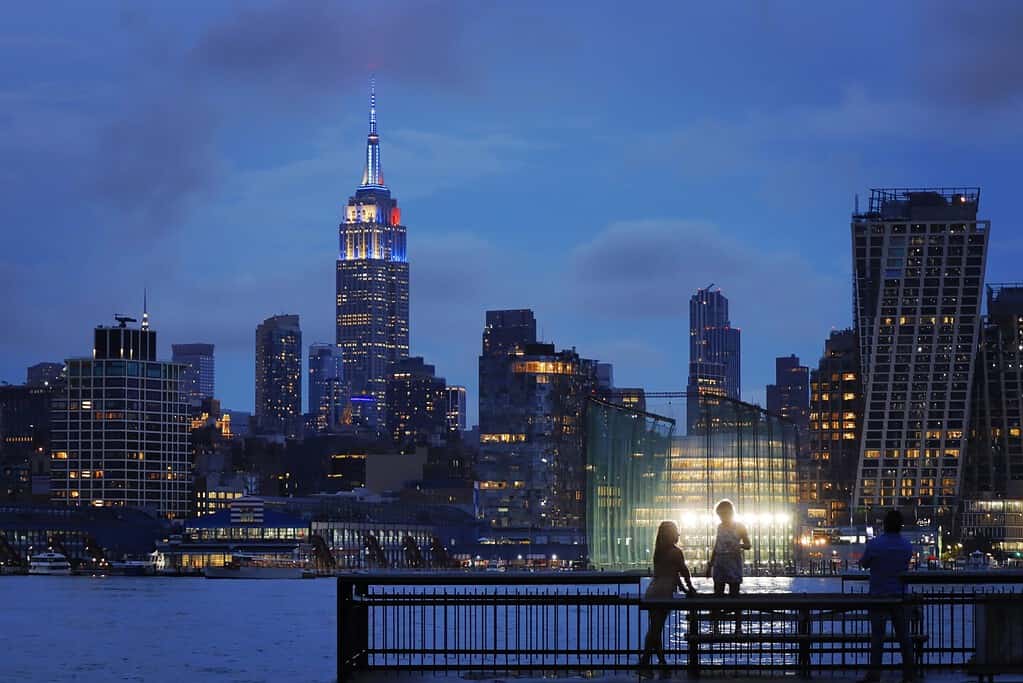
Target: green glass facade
(640, 473)
(626, 480)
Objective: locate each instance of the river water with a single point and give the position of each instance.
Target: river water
(177, 630)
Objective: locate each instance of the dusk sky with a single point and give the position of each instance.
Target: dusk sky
(595, 162)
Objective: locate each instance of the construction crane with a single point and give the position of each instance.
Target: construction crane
(124, 319)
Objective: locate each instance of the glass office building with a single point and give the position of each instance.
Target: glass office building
(640, 473)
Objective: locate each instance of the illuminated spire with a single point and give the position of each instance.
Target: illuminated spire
(373, 175)
(145, 308)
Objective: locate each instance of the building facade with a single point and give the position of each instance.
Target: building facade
(714, 354)
(639, 473)
(919, 258)
(531, 468)
(372, 284)
(416, 403)
(278, 373)
(45, 374)
(119, 435)
(456, 419)
(25, 441)
(995, 461)
(197, 377)
(789, 396)
(827, 474)
(327, 394)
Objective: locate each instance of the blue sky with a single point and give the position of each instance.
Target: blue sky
(595, 164)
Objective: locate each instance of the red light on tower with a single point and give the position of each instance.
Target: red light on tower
(396, 216)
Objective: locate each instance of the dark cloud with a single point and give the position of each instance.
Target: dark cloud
(316, 46)
(971, 53)
(152, 161)
(649, 269)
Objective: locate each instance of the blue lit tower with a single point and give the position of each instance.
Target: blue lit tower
(372, 284)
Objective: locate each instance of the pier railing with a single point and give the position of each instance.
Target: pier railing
(597, 621)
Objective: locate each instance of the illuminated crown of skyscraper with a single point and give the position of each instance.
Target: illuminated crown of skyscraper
(373, 175)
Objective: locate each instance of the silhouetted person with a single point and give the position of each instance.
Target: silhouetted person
(887, 556)
(725, 564)
(669, 570)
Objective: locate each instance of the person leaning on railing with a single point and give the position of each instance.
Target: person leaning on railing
(887, 556)
(669, 571)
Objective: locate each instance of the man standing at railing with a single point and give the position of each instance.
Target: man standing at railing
(887, 557)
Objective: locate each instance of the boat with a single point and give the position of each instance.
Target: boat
(242, 566)
(132, 568)
(49, 563)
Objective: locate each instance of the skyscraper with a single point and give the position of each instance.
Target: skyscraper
(119, 436)
(372, 284)
(197, 378)
(828, 474)
(456, 409)
(326, 385)
(416, 403)
(714, 348)
(789, 396)
(995, 458)
(531, 466)
(278, 373)
(505, 330)
(918, 258)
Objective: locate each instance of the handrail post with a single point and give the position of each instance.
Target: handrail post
(803, 629)
(693, 636)
(352, 629)
(344, 625)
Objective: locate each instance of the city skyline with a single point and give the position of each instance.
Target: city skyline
(239, 225)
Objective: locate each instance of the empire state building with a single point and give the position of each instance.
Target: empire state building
(372, 285)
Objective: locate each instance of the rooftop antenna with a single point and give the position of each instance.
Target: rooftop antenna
(145, 309)
(856, 204)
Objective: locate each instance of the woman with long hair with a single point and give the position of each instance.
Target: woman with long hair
(669, 571)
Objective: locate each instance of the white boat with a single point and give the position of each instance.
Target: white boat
(257, 567)
(49, 564)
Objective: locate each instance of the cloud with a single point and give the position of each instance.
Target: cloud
(315, 46)
(430, 161)
(648, 269)
(152, 161)
(971, 54)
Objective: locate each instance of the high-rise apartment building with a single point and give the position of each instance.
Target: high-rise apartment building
(919, 258)
(44, 374)
(372, 284)
(789, 396)
(531, 465)
(197, 377)
(506, 330)
(995, 459)
(714, 350)
(25, 439)
(456, 409)
(327, 394)
(827, 471)
(119, 434)
(416, 403)
(279, 374)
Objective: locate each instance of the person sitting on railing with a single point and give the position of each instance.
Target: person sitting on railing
(725, 564)
(887, 556)
(669, 570)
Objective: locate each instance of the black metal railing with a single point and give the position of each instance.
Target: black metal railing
(597, 621)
